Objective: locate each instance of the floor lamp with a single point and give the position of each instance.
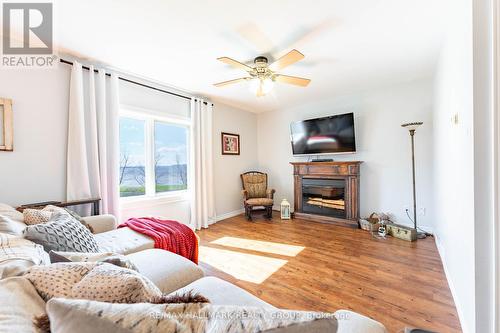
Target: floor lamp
(412, 127)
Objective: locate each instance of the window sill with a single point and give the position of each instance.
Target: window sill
(149, 201)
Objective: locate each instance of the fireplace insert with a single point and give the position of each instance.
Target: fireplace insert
(324, 197)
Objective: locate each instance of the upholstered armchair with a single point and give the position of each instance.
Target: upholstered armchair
(256, 194)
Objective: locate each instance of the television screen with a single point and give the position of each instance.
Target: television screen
(328, 135)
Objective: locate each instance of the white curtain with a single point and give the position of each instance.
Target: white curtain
(202, 185)
(93, 144)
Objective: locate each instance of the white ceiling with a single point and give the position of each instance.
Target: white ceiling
(349, 44)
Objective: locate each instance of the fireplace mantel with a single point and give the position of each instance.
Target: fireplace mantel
(345, 171)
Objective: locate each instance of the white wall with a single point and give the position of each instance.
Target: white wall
(454, 162)
(227, 168)
(36, 169)
(382, 144)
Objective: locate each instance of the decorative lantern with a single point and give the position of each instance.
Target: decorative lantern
(285, 210)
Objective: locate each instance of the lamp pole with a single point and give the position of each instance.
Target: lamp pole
(411, 127)
(412, 134)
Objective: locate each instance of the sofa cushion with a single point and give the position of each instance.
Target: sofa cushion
(221, 292)
(62, 233)
(167, 270)
(123, 241)
(259, 202)
(11, 226)
(23, 302)
(354, 322)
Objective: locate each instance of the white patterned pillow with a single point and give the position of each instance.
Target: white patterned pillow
(58, 280)
(36, 216)
(110, 283)
(93, 281)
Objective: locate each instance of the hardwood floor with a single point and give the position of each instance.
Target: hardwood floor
(305, 265)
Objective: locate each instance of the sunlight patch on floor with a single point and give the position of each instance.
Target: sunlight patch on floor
(246, 267)
(261, 246)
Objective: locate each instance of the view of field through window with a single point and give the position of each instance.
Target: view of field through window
(169, 163)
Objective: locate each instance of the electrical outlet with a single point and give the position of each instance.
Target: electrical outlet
(422, 211)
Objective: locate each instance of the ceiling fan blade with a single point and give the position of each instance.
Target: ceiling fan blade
(290, 58)
(225, 83)
(298, 81)
(235, 63)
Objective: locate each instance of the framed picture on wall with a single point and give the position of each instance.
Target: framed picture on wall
(6, 125)
(230, 144)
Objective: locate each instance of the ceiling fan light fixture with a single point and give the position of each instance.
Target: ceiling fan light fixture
(267, 85)
(261, 87)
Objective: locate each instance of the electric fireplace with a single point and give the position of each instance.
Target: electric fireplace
(327, 192)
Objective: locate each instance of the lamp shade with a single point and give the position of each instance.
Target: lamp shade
(412, 126)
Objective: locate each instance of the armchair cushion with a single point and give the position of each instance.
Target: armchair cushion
(255, 184)
(259, 202)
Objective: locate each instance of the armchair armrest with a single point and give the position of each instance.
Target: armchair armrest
(270, 193)
(245, 194)
(101, 223)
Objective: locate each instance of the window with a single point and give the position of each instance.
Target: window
(132, 157)
(170, 157)
(153, 155)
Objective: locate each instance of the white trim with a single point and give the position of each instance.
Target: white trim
(225, 216)
(458, 306)
(149, 119)
(496, 161)
(143, 201)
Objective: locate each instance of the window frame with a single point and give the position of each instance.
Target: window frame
(150, 117)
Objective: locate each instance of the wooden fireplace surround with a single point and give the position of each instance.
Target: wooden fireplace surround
(345, 170)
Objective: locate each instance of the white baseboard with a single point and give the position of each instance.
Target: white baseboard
(228, 215)
(458, 306)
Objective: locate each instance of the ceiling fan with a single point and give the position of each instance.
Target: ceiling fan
(262, 75)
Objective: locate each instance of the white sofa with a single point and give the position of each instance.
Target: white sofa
(170, 272)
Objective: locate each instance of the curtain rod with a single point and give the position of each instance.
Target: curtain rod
(134, 82)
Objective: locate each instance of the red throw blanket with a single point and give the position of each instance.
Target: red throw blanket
(167, 235)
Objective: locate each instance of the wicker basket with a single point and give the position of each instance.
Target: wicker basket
(371, 223)
(368, 226)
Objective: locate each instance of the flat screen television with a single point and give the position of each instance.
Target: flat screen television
(327, 135)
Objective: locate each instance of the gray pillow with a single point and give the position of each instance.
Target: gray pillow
(62, 233)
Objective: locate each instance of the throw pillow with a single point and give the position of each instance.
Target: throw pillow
(93, 281)
(62, 233)
(18, 254)
(36, 216)
(71, 315)
(61, 210)
(109, 257)
(58, 280)
(10, 226)
(109, 283)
